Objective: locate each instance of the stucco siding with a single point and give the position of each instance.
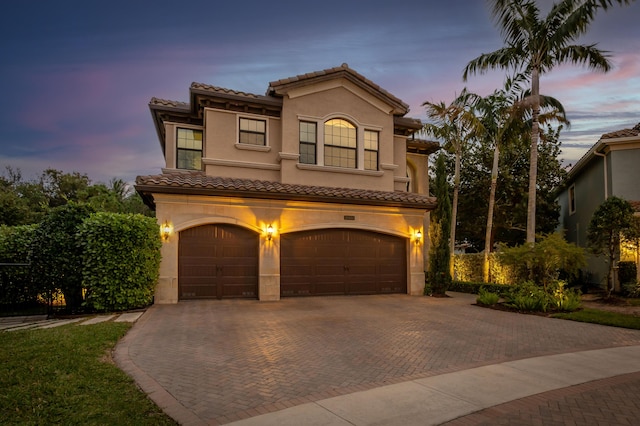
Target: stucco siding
(625, 178)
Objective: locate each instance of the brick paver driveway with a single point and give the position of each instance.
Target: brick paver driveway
(228, 360)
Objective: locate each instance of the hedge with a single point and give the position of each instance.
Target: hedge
(121, 259)
(468, 267)
(474, 287)
(16, 287)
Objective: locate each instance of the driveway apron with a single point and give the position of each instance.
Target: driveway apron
(217, 361)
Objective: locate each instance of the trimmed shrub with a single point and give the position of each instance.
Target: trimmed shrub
(56, 258)
(475, 287)
(16, 287)
(468, 266)
(121, 257)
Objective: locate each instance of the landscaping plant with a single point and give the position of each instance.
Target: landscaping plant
(486, 297)
(438, 276)
(121, 260)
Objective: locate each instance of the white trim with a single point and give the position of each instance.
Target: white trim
(387, 166)
(333, 169)
(245, 164)
(250, 147)
(288, 156)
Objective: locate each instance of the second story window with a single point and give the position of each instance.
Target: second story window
(340, 144)
(253, 132)
(370, 150)
(308, 142)
(189, 149)
(572, 199)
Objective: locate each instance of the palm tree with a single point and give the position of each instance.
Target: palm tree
(456, 124)
(504, 115)
(534, 46)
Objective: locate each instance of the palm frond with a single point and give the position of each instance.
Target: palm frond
(590, 55)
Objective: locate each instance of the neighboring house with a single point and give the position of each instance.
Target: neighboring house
(315, 188)
(610, 167)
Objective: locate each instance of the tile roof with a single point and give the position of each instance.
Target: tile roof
(624, 133)
(330, 72)
(165, 102)
(201, 184)
(223, 91)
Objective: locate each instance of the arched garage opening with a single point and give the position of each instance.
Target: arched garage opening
(342, 261)
(217, 262)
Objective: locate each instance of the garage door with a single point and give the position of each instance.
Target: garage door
(217, 261)
(341, 261)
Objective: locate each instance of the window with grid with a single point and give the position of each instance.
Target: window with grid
(308, 142)
(189, 149)
(340, 144)
(253, 132)
(370, 150)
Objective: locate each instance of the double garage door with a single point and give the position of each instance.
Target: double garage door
(221, 261)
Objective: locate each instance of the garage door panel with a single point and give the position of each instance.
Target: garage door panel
(217, 261)
(344, 262)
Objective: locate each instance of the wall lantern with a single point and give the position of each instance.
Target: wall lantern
(165, 231)
(418, 236)
(269, 232)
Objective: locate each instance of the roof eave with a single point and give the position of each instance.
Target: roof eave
(147, 191)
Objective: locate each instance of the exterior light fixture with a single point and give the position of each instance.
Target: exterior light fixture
(165, 231)
(269, 232)
(418, 236)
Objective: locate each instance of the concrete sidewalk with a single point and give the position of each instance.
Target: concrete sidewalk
(41, 322)
(436, 400)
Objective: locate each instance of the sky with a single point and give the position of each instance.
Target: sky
(76, 77)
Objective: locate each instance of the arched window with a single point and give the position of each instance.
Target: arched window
(340, 143)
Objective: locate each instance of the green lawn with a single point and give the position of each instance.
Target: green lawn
(597, 316)
(65, 376)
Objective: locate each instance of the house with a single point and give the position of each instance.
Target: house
(609, 168)
(317, 187)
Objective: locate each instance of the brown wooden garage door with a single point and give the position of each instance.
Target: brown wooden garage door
(341, 261)
(217, 261)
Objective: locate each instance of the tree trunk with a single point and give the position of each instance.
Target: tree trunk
(492, 201)
(454, 205)
(533, 161)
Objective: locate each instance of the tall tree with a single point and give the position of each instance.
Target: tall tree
(510, 208)
(534, 45)
(439, 276)
(505, 114)
(609, 222)
(456, 124)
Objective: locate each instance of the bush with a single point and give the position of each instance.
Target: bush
(563, 298)
(545, 259)
(487, 298)
(528, 297)
(121, 258)
(475, 287)
(627, 272)
(16, 287)
(631, 289)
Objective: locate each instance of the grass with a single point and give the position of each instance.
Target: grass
(597, 316)
(65, 376)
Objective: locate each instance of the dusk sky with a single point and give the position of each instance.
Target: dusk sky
(76, 77)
